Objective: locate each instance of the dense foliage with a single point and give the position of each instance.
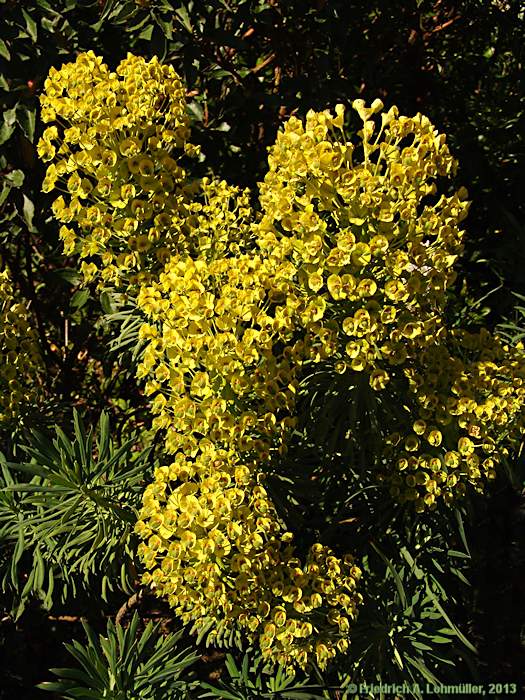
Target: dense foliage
(301, 385)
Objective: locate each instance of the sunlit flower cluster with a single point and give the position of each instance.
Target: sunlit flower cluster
(116, 145)
(372, 240)
(346, 260)
(468, 394)
(214, 546)
(20, 360)
(222, 370)
(224, 373)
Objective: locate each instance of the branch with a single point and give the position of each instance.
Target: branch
(132, 602)
(263, 64)
(440, 27)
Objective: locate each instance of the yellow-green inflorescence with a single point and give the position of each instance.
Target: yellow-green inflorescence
(116, 147)
(224, 369)
(20, 358)
(374, 261)
(346, 259)
(468, 396)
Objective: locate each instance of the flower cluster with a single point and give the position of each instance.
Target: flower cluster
(222, 368)
(115, 148)
(223, 365)
(214, 546)
(20, 359)
(468, 394)
(372, 241)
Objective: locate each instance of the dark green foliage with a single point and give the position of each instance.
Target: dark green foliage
(250, 678)
(407, 632)
(70, 526)
(513, 328)
(123, 664)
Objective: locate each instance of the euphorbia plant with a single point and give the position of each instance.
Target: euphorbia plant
(344, 258)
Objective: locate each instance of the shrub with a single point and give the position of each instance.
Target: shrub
(345, 259)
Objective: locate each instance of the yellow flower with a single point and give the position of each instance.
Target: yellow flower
(379, 379)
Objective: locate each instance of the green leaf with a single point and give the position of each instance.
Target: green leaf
(455, 553)
(106, 301)
(6, 131)
(30, 25)
(46, 6)
(29, 212)
(219, 693)
(26, 119)
(19, 550)
(146, 33)
(15, 177)
(398, 659)
(4, 194)
(71, 673)
(80, 298)
(29, 488)
(453, 627)
(184, 18)
(4, 51)
(422, 668)
(440, 640)
(10, 116)
(166, 26)
(460, 575)
(52, 687)
(68, 274)
(397, 579)
(459, 519)
(195, 108)
(48, 601)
